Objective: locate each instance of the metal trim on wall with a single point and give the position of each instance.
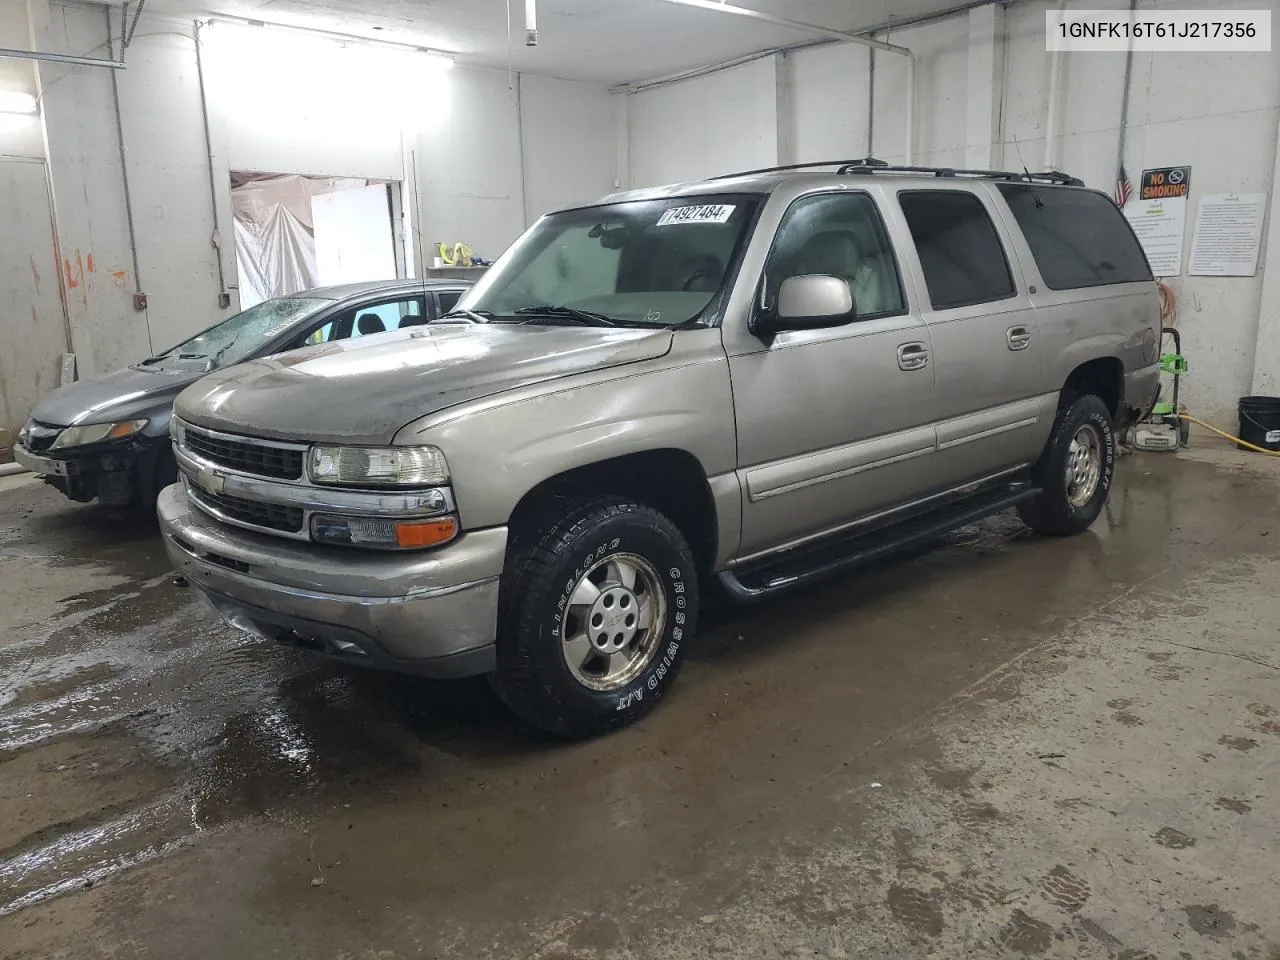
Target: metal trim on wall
(66, 58)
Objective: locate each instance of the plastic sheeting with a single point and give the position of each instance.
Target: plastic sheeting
(275, 234)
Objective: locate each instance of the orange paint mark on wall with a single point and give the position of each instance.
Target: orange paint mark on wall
(72, 282)
(90, 262)
(119, 278)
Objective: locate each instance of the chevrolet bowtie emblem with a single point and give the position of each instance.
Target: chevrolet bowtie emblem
(212, 480)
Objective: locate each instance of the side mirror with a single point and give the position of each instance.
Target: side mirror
(809, 303)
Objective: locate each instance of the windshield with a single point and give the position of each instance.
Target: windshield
(239, 337)
(637, 263)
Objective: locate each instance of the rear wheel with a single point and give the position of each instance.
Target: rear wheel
(599, 600)
(1074, 472)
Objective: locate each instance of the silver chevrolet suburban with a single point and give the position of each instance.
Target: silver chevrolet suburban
(750, 382)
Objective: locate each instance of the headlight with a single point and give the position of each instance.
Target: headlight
(177, 431)
(96, 433)
(378, 466)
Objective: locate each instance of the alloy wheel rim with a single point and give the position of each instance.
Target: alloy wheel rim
(615, 615)
(1084, 465)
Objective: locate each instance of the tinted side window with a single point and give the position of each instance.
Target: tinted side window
(1079, 238)
(959, 249)
(839, 235)
(379, 317)
(448, 299)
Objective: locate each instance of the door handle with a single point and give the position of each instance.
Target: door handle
(913, 356)
(1019, 338)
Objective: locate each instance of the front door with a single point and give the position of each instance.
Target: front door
(833, 424)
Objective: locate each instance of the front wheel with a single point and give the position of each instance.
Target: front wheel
(598, 602)
(1074, 472)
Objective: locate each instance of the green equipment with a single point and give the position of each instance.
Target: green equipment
(1164, 429)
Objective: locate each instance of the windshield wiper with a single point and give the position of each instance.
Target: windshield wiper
(475, 316)
(584, 317)
(213, 361)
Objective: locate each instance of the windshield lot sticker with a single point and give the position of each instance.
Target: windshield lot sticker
(708, 213)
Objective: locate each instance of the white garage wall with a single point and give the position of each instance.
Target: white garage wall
(829, 102)
(719, 123)
(284, 102)
(982, 99)
(562, 169)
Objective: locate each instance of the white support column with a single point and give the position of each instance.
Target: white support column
(1266, 358)
(784, 108)
(622, 141)
(986, 71)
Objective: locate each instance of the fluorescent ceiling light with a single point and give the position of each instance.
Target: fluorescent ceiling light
(17, 103)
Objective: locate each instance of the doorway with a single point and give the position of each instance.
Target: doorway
(296, 231)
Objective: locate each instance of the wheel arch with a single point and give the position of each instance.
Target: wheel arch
(1101, 376)
(668, 479)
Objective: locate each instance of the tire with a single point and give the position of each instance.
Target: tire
(548, 619)
(1062, 508)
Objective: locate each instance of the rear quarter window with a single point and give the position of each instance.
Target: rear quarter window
(1079, 238)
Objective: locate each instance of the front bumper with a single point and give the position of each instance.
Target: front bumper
(432, 613)
(111, 472)
(45, 466)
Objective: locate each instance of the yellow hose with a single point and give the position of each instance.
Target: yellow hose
(1223, 433)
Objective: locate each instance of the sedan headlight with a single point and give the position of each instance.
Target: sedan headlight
(378, 466)
(96, 433)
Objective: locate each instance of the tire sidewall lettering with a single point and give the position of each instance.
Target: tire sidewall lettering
(648, 685)
(1107, 435)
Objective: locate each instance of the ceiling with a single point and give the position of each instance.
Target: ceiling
(608, 41)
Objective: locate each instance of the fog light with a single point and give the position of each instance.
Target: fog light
(372, 532)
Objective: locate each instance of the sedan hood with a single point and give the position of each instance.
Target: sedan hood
(123, 395)
(365, 390)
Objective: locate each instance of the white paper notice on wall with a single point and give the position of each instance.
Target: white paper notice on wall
(1159, 227)
(707, 213)
(1228, 234)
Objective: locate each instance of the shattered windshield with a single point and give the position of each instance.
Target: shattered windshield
(636, 263)
(238, 338)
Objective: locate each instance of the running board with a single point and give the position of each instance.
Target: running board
(802, 566)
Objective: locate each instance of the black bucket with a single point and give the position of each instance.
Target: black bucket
(1260, 421)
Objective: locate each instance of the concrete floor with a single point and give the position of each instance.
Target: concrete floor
(1006, 746)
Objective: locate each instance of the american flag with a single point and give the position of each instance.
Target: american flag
(1124, 189)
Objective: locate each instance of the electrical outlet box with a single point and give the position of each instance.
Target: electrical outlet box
(224, 300)
(139, 301)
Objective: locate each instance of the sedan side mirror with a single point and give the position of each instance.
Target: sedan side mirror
(809, 303)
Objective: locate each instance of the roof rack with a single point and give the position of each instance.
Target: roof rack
(872, 165)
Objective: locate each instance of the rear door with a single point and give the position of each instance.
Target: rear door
(991, 409)
(1089, 279)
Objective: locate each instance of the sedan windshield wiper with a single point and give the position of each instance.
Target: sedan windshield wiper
(585, 317)
(475, 316)
(213, 361)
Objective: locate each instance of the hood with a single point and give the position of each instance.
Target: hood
(123, 395)
(366, 389)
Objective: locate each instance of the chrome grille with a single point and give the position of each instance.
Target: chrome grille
(271, 516)
(245, 455)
